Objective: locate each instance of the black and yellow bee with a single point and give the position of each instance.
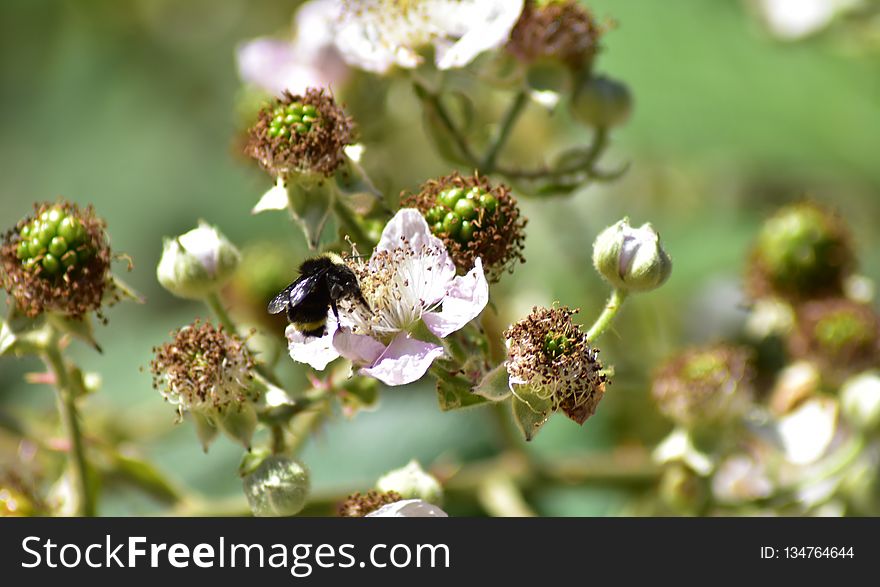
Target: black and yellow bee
(323, 281)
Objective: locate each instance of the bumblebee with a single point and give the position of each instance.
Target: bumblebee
(323, 281)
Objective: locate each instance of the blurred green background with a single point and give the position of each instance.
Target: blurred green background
(132, 106)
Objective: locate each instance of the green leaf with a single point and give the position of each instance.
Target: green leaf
(454, 393)
(530, 412)
(145, 476)
(494, 386)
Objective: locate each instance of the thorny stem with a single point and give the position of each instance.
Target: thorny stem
(507, 124)
(607, 316)
(67, 407)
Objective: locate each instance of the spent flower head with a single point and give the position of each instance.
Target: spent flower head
(208, 373)
(549, 358)
(359, 505)
(557, 30)
(704, 386)
(377, 35)
(803, 251)
(409, 283)
(301, 134)
(475, 220)
(57, 260)
(841, 336)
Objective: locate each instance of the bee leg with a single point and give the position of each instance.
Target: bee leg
(335, 308)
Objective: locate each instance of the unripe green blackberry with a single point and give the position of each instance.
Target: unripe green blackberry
(57, 260)
(300, 134)
(474, 220)
(802, 252)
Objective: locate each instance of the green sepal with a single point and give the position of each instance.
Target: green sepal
(495, 384)
(454, 393)
(530, 412)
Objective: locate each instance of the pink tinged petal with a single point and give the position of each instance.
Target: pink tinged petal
(357, 348)
(410, 226)
(404, 361)
(465, 298)
(275, 65)
(312, 350)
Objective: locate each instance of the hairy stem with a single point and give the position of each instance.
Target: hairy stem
(603, 322)
(67, 407)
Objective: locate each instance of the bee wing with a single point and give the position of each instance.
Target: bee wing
(294, 293)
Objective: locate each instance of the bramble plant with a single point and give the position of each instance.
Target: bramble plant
(750, 432)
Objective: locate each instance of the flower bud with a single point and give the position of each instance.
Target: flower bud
(802, 252)
(198, 263)
(860, 400)
(703, 387)
(412, 482)
(631, 259)
(601, 102)
(279, 486)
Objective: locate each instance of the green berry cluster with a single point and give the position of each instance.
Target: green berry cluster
(56, 241)
(556, 345)
(459, 214)
(292, 119)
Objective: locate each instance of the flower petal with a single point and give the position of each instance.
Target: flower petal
(312, 350)
(465, 298)
(358, 348)
(807, 432)
(409, 226)
(496, 19)
(408, 508)
(404, 361)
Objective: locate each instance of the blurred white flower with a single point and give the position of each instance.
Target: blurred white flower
(376, 35)
(807, 432)
(408, 508)
(740, 479)
(310, 60)
(678, 447)
(796, 19)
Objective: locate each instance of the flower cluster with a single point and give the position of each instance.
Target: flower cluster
(549, 358)
(57, 260)
(475, 220)
(408, 283)
(301, 134)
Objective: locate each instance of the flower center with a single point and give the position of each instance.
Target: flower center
(399, 286)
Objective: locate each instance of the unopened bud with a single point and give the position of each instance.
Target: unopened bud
(196, 264)
(601, 102)
(412, 482)
(631, 259)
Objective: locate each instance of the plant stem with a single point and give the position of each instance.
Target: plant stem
(607, 316)
(507, 124)
(67, 407)
(433, 100)
(349, 223)
(597, 147)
